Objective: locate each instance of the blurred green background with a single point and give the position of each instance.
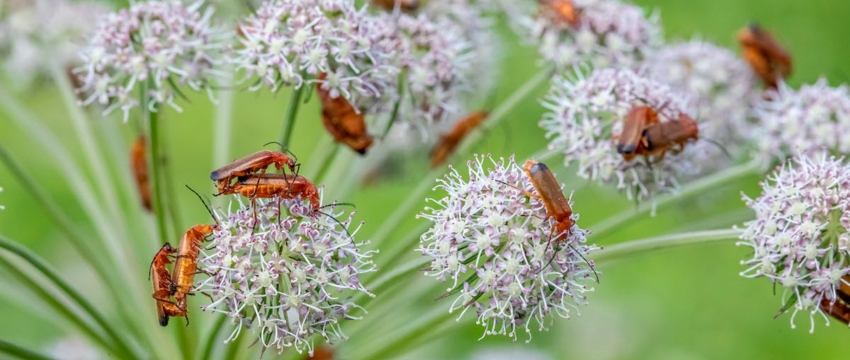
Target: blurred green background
(685, 303)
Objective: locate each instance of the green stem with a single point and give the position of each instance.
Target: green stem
(82, 126)
(416, 331)
(42, 267)
(397, 106)
(383, 349)
(405, 244)
(82, 243)
(415, 197)
(156, 184)
(56, 303)
(692, 189)
(20, 352)
(326, 163)
(289, 119)
(212, 338)
(221, 129)
(169, 185)
(634, 247)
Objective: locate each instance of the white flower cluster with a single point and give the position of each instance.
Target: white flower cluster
(723, 88)
(34, 32)
(812, 118)
(154, 45)
(293, 41)
(290, 277)
(495, 246)
(602, 32)
(587, 117)
(800, 234)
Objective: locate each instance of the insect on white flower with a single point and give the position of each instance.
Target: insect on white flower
(800, 234)
(495, 246)
(587, 118)
(288, 278)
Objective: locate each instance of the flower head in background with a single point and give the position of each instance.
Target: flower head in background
(723, 88)
(475, 21)
(812, 118)
(602, 32)
(289, 42)
(435, 55)
(34, 32)
(153, 45)
(587, 117)
(288, 279)
(493, 243)
(799, 236)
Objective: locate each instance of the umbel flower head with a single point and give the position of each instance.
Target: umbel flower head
(494, 245)
(793, 121)
(602, 32)
(154, 45)
(34, 33)
(290, 277)
(799, 236)
(435, 52)
(292, 42)
(723, 88)
(587, 118)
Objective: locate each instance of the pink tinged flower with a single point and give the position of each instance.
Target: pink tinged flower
(799, 235)
(723, 89)
(154, 45)
(813, 118)
(606, 33)
(288, 43)
(587, 117)
(435, 54)
(493, 244)
(37, 34)
(290, 277)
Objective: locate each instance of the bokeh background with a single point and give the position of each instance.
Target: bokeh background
(683, 303)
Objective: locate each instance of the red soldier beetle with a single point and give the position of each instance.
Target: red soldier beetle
(562, 13)
(557, 206)
(449, 141)
(769, 60)
(662, 136)
(161, 280)
(257, 162)
(342, 121)
(407, 6)
(186, 265)
(139, 165)
(631, 139)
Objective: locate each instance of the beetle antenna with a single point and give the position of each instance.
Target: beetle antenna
(206, 205)
(720, 146)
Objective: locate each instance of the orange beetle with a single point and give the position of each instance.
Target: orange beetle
(450, 140)
(769, 60)
(342, 121)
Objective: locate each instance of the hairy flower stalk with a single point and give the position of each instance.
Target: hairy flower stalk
(587, 117)
(799, 236)
(724, 90)
(602, 32)
(154, 45)
(289, 278)
(493, 243)
(792, 122)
